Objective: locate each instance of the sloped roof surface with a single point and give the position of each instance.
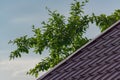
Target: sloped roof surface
(98, 60)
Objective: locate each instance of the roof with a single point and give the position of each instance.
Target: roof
(97, 60)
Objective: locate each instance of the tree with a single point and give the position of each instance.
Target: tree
(104, 21)
(61, 36)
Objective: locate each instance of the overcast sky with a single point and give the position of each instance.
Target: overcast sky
(16, 19)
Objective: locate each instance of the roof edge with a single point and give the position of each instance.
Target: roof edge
(108, 29)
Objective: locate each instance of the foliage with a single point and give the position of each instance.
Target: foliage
(61, 36)
(104, 21)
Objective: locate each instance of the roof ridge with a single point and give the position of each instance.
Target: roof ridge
(103, 33)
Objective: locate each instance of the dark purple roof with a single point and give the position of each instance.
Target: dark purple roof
(97, 60)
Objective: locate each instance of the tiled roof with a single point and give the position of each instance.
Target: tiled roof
(97, 60)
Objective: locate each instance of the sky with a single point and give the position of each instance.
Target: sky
(17, 18)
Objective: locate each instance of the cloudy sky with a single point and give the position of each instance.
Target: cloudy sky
(16, 19)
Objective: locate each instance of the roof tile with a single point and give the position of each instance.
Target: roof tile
(98, 60)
